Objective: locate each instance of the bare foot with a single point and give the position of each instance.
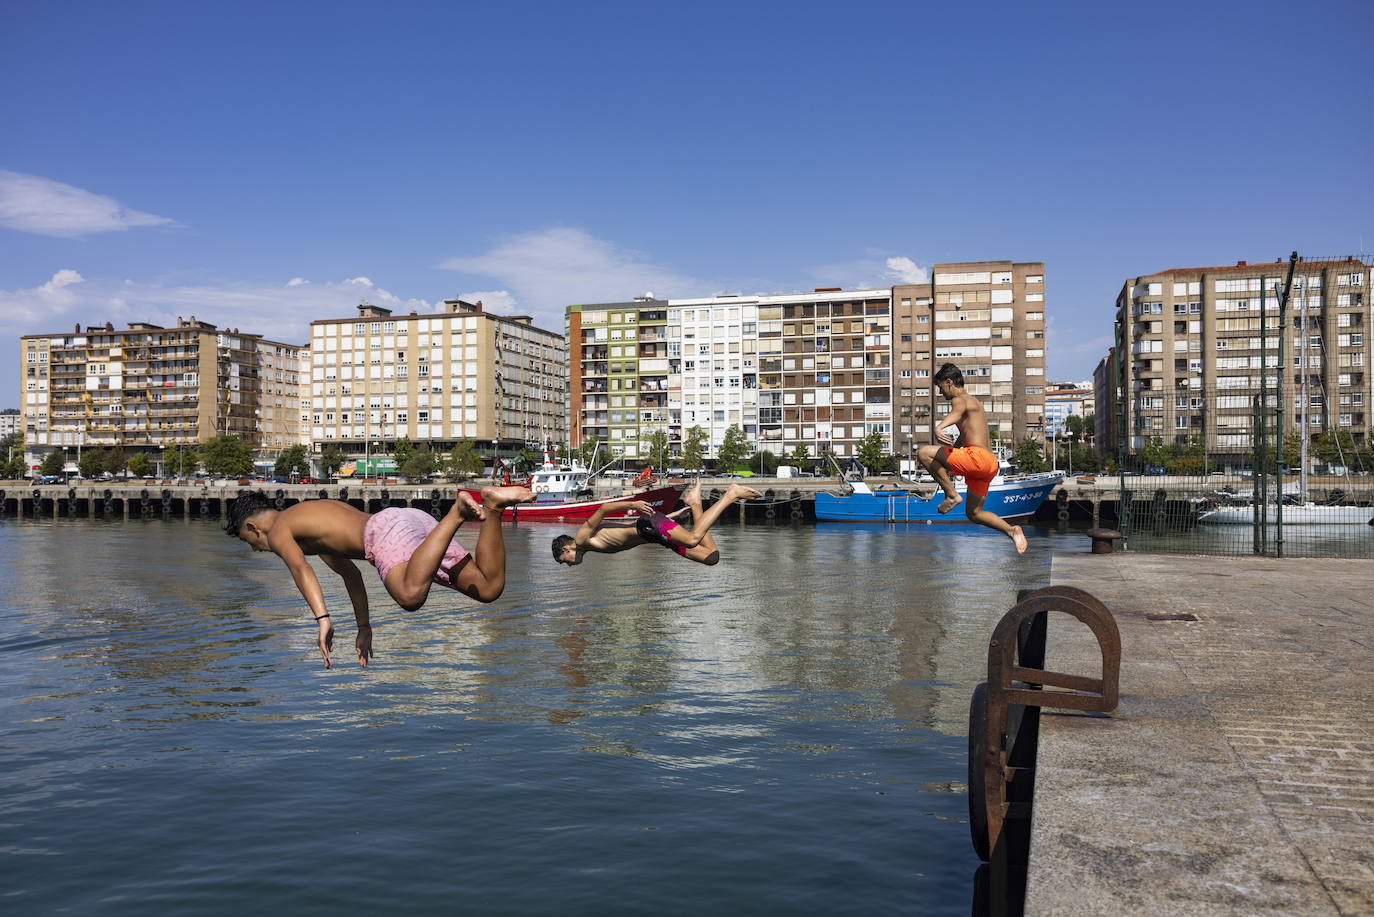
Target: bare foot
(467, 508)
(498, 498)
(1018, 539)
(693, 493)
(949, 504)
(740, 492)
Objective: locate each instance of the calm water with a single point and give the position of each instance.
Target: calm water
(782, 733)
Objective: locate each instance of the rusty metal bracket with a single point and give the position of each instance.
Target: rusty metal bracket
(1016, 677)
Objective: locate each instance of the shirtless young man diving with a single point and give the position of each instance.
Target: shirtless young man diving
(410, 549)
(973, 458)
(695, 543)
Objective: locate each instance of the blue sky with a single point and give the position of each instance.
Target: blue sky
(261, 165)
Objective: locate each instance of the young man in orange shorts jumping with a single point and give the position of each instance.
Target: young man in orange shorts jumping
(973, 459)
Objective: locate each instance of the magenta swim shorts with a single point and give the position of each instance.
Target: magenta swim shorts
(391, 536)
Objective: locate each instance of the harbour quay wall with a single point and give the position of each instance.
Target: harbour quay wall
(1234, 777)
(785, 500)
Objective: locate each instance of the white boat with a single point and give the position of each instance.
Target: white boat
(557, 482)
(1293, 514)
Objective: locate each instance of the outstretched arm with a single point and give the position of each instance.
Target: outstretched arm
(589, 528)
(357, 594)
(283, 544)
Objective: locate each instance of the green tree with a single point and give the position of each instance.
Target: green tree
(1073, 428)
(115, 460)
(655, 448)
(826, 459)
(734, 449)
(1154, 452)
(179, 459)
(586, 453)
(1334, 447)
(227, 455)
(463, 460)
(870, 452)
(331, 460)
(764, 462)
(1292, 449)
(1185, 458)
(1029, 457)
(799, 456)
(1085, 458)
(91, 463)
(401, 452)
(694, 449)
(562, 452)
(419, 464)
(292, 461)
(140, 464)
(52, 463)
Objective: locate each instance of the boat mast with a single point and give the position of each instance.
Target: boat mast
(1302, 393)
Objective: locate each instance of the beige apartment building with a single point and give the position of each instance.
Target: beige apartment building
(144, 387)
(282, 370)
(462, 374)
(987, 318)
(1192, 341)
(822, 369)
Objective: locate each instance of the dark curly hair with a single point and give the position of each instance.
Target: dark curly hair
(561, 542)
(244, 508)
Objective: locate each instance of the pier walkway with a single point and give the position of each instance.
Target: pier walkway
(1237, 774)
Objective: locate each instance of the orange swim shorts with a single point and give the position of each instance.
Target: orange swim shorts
(976, 464)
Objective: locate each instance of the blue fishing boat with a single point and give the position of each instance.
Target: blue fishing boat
(1013, 497)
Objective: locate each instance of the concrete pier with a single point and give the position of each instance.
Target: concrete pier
(1237, 775)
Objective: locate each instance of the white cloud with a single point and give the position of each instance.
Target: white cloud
(281, 313)
(296, 281)
(63, 278)
(904, 270)
(873, 272)
(544, 270)
(31, 203)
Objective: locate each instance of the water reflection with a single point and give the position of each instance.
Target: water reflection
(818, 678)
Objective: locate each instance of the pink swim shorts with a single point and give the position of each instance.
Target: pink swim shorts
(391, 537)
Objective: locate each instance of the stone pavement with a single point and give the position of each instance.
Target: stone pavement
(1237, 774)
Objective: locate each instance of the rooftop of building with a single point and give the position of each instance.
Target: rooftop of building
(1258, 267)
(453, 307)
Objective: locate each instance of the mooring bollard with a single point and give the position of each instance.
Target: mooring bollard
(1102, 540)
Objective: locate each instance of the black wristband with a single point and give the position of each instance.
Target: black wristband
(323, 616)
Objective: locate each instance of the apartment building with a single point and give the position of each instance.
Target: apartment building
(1064, 400)
(825, 365)
(987, 318)
(281, 372)
(1106, 378)
(462, 374)
(822, 369)
(1193, 341)
(141, 388)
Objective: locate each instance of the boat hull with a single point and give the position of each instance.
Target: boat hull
(1292, 515)
(662, 499)
(1011, 500)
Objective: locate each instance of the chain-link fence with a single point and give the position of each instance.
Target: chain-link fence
(1242, 426)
